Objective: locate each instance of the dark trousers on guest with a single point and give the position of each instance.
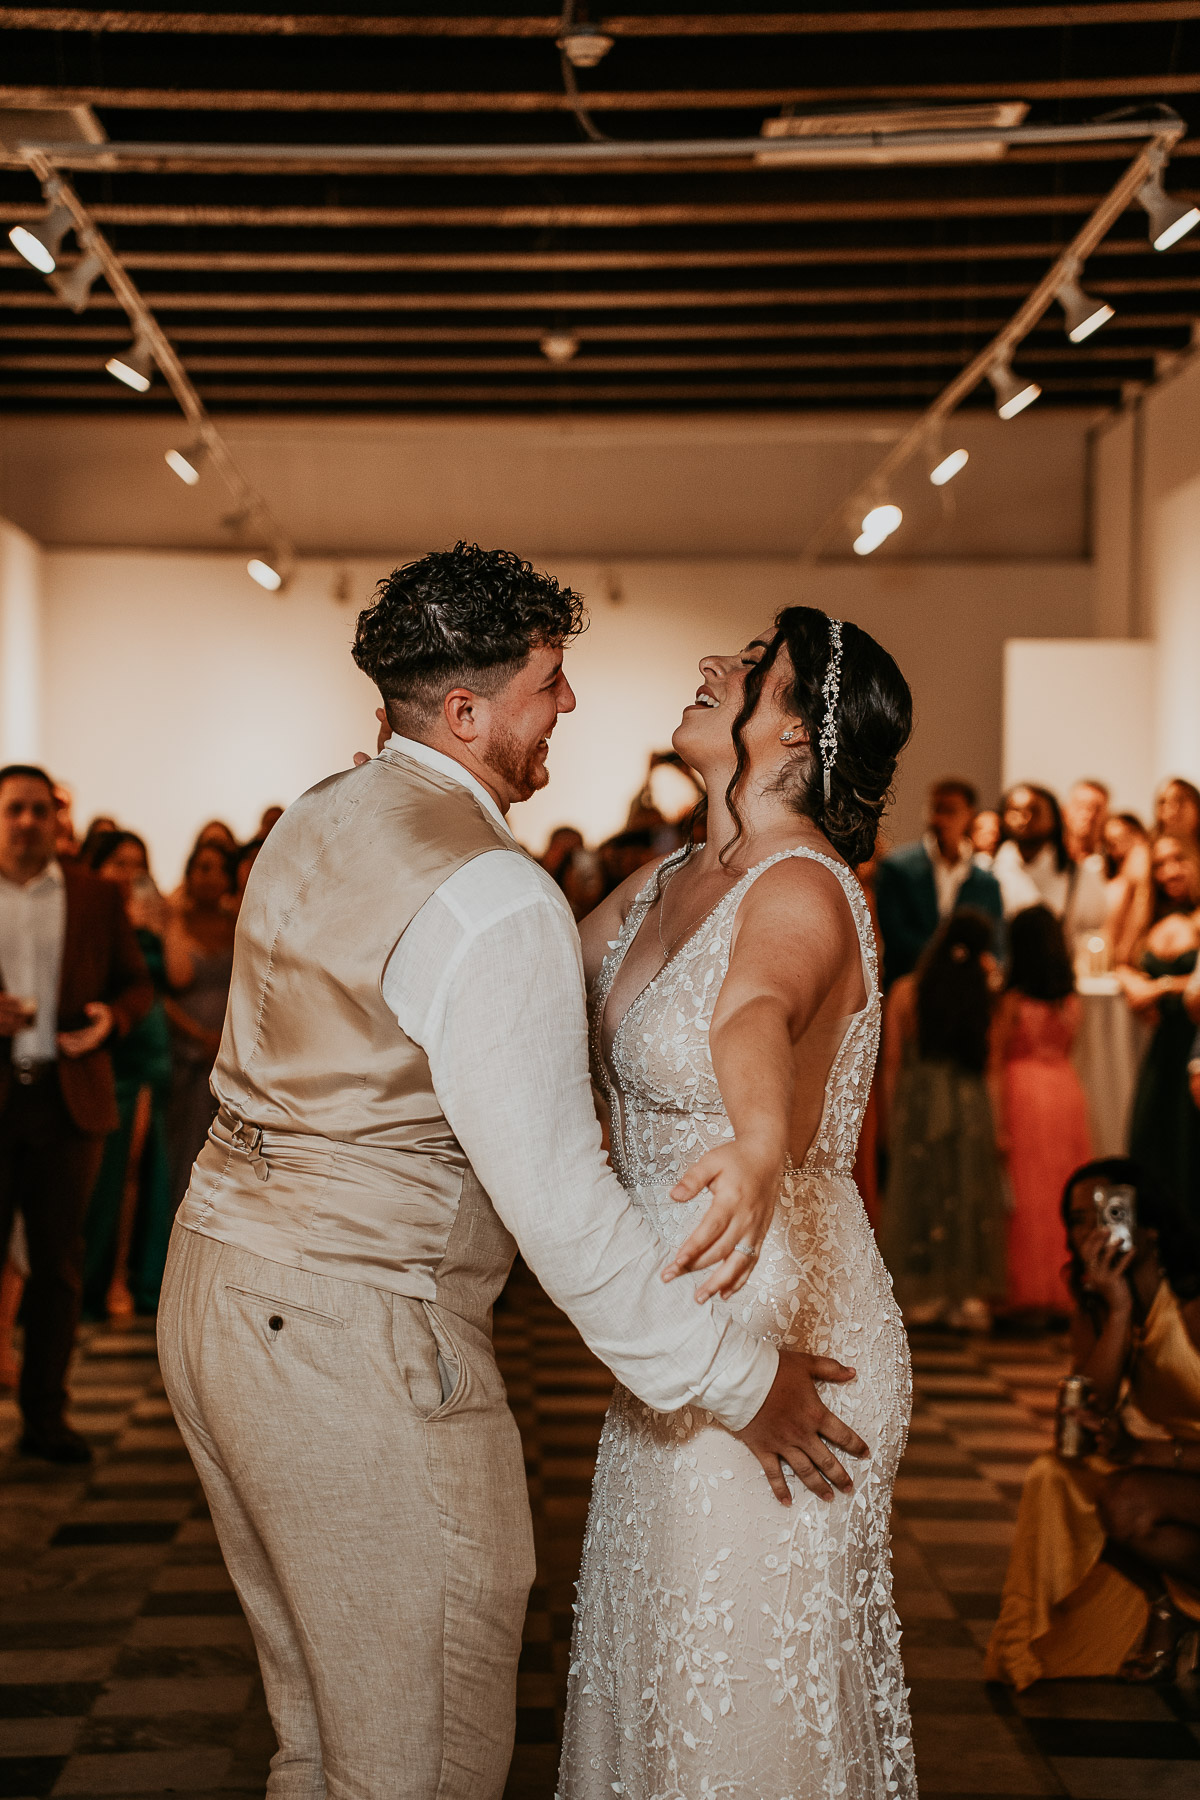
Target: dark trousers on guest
(48, 1168)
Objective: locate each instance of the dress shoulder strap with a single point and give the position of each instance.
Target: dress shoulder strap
(856, 899)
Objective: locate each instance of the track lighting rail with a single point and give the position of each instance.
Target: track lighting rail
(1145, 168)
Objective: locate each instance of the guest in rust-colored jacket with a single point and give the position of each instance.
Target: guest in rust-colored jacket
(71, 977)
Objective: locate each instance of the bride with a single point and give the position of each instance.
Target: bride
(724, 1646)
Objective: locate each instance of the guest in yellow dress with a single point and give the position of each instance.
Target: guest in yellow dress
(1079, 1600)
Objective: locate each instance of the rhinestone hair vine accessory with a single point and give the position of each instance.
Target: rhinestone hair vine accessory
(830, 688)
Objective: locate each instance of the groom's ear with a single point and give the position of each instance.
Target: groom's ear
(461, 709)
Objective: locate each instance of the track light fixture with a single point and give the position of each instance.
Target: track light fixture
(584, 45)
(879, 524)
(186, 463)
(263, 570)
(74, 289)
(558, 346)
(1012, 394)
(134, 366)
(1169, 219)
(40, 244)
(1083, 314)
(949, 467)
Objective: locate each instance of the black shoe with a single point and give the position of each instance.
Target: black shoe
(62, 1445)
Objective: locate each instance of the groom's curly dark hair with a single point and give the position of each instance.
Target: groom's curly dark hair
(459, 618)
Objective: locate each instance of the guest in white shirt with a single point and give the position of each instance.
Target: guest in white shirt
(1034, 868)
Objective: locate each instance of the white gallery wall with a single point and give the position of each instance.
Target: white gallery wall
(172, 688)
(176, 690)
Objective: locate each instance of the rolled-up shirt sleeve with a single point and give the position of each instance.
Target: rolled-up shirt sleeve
(488, 979)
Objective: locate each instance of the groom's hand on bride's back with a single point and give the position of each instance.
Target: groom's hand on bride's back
(794, 1426)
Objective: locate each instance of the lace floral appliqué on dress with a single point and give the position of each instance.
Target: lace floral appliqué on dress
(725, 1645)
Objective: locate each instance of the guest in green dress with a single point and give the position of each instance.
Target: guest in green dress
(129, 1217)
(1164, 1133)
(944, 1217)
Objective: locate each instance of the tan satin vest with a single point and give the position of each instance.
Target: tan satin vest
(330, 1151)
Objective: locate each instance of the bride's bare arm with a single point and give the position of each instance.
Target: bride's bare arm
(795, 952)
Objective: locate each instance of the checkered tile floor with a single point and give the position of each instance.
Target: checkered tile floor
(126, 1668)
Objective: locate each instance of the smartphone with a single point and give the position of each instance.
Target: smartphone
(1116, 1213)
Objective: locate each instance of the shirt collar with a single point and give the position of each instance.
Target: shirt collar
(446, 765)
(51, 876)
(966, 854)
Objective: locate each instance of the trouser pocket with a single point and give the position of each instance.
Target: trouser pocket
(272, 1316)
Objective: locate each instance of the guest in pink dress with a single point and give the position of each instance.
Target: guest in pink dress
(1039, 1104)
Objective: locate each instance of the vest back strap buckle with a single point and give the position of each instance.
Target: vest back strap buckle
(247, 1139)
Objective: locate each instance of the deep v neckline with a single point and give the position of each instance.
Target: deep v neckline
(676, 955)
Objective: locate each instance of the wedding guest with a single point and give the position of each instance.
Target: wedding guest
(985, 836)
(216, 832)
(102, 826)
(581, 879)
(200, 934)
(1070, 1609)
(1177, 811)
(1034, 869)
(1164, 1131)
(1084, 817)
(1040, 1105)
(1124, 835)
(270, 818)
(129, 1216)
(942, 1233)
(66, 839)
(921, 883)
(243, 862)
(73, 979)
(563, 842)
(1126, 851)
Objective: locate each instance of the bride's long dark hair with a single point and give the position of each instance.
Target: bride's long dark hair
(874, 722)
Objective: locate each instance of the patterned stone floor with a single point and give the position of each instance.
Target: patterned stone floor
(126, 1668)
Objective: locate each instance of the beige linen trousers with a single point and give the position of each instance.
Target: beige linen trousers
(367, 1485)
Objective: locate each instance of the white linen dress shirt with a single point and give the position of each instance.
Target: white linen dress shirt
(948, 879)
(33, 923)
(1079, 896)
(488, 980)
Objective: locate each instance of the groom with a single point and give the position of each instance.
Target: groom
(403, 1083)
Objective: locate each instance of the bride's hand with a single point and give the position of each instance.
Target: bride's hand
(743, 1180)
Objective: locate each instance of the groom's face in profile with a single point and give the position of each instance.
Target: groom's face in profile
(514, 724)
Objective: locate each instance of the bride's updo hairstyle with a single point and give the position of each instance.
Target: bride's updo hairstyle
(872, 716)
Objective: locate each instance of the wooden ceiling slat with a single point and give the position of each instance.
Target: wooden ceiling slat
(711, 330)
(584, 216)
(546, 305)
(580, 261)
(292, 25)
(181, 99)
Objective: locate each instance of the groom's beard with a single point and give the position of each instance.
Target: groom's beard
(521, 766)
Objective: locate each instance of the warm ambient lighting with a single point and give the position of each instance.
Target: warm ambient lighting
(1083, 314)
(186, 463)
(584, 45)
(134, 367)
(1169, 219)
(262, 572)
(949, 467)
(1012, 394)
(40, 244)
(879, 523)
(558, 346)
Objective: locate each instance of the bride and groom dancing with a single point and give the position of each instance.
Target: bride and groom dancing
(405, 1089)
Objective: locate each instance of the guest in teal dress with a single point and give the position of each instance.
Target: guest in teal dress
(129, 1218)
(1164, 1132)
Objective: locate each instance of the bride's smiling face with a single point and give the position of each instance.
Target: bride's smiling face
(704, 736)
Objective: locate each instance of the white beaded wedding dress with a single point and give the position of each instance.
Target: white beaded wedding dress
(725, 1645)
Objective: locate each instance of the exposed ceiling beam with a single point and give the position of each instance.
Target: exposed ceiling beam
(181, 99)
(596, 393)
(520, 262)
(583, 216)
(231, 24)
(547, 304)
(258, 363)
(712, 330)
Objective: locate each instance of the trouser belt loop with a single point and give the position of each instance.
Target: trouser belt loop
(245, 1138)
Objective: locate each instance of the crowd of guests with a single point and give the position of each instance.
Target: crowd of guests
(112, 999)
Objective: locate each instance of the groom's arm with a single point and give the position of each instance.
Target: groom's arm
(488, 980)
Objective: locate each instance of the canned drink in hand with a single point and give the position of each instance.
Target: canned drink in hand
(1072, 1439)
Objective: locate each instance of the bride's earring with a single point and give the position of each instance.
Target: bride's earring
(785, 737)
